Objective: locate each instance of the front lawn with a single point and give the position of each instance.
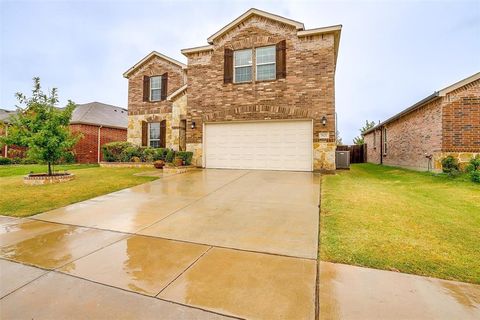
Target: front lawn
(17, 199)
(395, 219)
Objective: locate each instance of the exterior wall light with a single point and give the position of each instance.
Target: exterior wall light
(193, 125)
(324, 121)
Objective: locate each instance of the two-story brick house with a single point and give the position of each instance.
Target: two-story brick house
(445, 123)
(260, 95)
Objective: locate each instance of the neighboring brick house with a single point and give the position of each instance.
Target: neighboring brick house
(444, 123)
(259, 96)
(8, 151)
(99, 123)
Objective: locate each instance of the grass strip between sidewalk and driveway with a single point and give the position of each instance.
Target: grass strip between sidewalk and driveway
(20, 200)
(401, 220)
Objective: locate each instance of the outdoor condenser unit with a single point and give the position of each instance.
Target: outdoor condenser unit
(342, 159)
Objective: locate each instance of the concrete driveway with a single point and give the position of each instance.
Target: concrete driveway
(211, 244)
(205, 244)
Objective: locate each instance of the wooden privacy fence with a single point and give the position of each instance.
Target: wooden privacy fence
(357, 152)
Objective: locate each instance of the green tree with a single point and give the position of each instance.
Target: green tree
(42, 127)
(368, 125)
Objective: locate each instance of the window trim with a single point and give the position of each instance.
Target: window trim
(159, 88)
(266, 63)
(242, 66)
(374, 139)
(159, 134)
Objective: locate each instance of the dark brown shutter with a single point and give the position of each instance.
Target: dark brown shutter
(164, 86)
(144, 133)
(163, 134)
(146, 88)
(228, 66)
(281, 60)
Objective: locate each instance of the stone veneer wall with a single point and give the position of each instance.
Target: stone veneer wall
(306, 93)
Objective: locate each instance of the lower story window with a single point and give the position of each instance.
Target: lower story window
(154, 134)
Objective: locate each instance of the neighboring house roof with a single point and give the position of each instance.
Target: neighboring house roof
(437, 94)
(6, 114)
(248, 14)
(93, 113)
(100, 114)
(127, 73)
(301, 32)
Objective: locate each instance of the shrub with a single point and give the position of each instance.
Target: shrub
(135, 159)
(4, 161)
(186, 156)
(131, 152)
(112, 151)
(68, 157)
(28, 161)
(475, 176)
(450, 166)
(474, 164)
(170, 155)
(161, 154)
(148, 154)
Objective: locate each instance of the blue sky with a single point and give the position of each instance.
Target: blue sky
(392, 53)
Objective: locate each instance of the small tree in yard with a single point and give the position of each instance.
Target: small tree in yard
(41, 127)
(360, 139)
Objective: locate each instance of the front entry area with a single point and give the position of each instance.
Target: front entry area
(266, 145)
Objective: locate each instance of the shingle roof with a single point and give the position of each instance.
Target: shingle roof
(100, 114)
(433, 96)
(6, 114)
(93, 113)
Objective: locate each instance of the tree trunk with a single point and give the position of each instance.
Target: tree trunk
(49, 168)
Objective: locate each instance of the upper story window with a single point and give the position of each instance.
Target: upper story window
(242, 65)
(155, 88)
(265, 63)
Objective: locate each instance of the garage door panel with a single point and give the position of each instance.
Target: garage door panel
(282, 145)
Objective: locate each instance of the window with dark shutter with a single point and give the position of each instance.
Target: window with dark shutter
(144, 133)
(281, 59)
(164, 86)
(228, 66)
(146, 88)
(163, 133)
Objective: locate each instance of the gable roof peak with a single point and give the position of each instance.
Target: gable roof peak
(252, 12)
(127, 73)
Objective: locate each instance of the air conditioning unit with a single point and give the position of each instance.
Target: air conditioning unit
(342, 159)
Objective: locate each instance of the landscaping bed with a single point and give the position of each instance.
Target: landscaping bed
(401, 220)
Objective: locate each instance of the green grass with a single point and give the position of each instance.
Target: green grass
(23, 169)
(17, 199)
(401, 220)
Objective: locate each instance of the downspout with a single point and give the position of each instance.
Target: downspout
(98, 143)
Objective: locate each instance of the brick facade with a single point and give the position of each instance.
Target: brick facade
(86, 150)
(461, 119)
(446, 125)
(307, 91)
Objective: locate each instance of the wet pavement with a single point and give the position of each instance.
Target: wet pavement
(349, 292)
(210, 244)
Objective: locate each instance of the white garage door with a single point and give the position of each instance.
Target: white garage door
(268, 145)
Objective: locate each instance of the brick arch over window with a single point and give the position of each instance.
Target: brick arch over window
(257, 112)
